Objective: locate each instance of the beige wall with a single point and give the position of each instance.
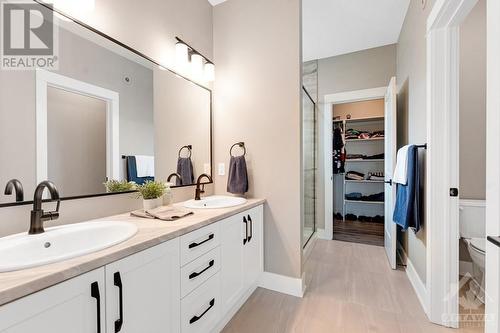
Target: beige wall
(364, 109)
(411, 80)
(473, 104)
(257, 52)
(151, 27)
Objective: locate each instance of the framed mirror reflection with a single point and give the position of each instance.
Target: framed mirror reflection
(105, 113)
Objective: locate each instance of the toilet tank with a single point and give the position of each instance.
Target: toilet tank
(472, 218)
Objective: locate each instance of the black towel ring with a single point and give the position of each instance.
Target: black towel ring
(239, 144)
(188, 147)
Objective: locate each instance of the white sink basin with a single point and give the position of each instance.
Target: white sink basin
(214, 201)
(59, 243)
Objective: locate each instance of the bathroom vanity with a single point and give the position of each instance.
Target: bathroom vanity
(191, 275)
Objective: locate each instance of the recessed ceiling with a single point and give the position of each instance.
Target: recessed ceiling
(216, 2)
(335, 27)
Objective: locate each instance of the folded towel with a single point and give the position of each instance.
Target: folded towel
(400, 172)
(407, 210)
(237, 182)
(185, 169)
(162, 213)
(145, 165)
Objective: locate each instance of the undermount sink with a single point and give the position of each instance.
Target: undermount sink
(214, 201)
(22, 251)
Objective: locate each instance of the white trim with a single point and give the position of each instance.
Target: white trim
(45, 79)
(307, 250)
(326, 124)
(282, 284)
(472, 203)
(442, 158)
(322, 234)
(418, 286)
(465, 267)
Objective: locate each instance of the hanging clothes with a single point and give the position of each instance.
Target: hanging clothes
(338, 151)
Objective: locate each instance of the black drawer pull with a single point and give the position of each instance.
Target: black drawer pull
(196, 318)
(246, 230)
(118, 283)
(494, 240)
(251, 228)
(210, 237)
(94, 292)
(195, 274)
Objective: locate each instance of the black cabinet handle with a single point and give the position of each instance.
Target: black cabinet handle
(246, 230)
(118, 282)
(251, 228)
(210, 237)
(196, 318)
(388, 182)
(196, 274)
(494, 240)
(94, 292)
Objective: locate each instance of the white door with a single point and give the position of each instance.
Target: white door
(390, 163)
(252, 250)
(233, 233)
(75, 306)
(492, 166)
(143, 291)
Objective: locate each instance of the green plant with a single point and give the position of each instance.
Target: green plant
(119, 186)
(151, 190)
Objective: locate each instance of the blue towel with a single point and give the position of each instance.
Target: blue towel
(407, 208)
(132, 172)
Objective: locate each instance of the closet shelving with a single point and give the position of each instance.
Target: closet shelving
(369, 146)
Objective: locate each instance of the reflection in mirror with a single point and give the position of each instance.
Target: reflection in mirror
(105, 114)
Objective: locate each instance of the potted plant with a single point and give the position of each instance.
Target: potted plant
(113, 186)
(151, 193)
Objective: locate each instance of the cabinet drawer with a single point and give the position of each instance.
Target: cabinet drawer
(199, 242)
(200, 310)
(199, 271)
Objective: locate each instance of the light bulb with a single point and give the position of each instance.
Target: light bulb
(181, 56)
(196, 66)
(209, 72)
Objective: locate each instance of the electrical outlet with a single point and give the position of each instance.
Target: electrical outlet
(222, 169)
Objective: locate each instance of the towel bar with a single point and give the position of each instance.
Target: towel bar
(239, 144)
(188, 147)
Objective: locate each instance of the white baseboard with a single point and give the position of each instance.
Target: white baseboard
(401, 253)
(465, 267)
(282, 284)
(322, 234)
(418, 286)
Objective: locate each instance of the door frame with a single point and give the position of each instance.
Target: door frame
(45, 79)
(327, 137)
(442, 162)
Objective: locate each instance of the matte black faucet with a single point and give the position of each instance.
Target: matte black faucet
(38, 216)
(15, 185)
(172, 175)
(199, 191)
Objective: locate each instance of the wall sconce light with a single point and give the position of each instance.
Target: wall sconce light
(201, 68)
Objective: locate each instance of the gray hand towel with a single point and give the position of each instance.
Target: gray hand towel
(185, 169)
(237, 182)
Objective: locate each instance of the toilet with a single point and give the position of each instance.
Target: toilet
(473, 233)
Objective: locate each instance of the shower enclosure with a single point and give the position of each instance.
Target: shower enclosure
(308, 165)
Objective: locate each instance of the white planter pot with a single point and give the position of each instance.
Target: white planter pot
(152, 203)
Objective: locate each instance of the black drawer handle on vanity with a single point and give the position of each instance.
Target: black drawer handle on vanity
(246, 230)
(251, 228)
(194, 244)
(94, 292)
(118, 283)
(196, 318)
(196, 274)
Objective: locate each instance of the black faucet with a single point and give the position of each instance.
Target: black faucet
(172, 175)
(38, 216)
(199, 191)
(16, 185)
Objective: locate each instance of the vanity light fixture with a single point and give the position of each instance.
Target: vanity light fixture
(201, 67)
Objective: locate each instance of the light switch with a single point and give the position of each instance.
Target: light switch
(222, 169)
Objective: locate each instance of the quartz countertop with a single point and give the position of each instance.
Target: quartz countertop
(17, 284)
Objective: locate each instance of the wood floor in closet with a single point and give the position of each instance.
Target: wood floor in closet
(370, 233)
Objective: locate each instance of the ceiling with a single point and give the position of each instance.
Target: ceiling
(334, 27)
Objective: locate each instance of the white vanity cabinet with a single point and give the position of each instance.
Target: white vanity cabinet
(242, 256)
(142, 291)
(193, 283)
(75, 306)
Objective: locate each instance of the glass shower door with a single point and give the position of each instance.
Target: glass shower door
(309, 165)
